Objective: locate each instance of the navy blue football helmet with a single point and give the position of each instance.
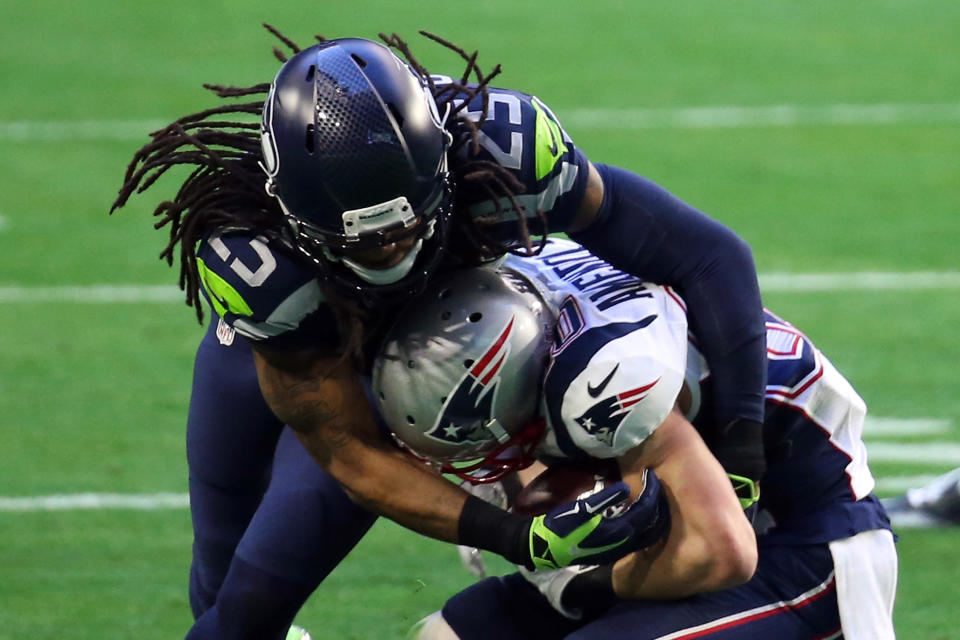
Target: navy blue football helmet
(356, 153)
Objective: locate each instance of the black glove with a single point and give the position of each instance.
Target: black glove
(739, 448)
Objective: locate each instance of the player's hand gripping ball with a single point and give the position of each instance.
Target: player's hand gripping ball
(583, 513)
(567, 482)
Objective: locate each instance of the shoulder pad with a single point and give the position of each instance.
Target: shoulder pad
(613, 384)
(522, 135)
(256, 284)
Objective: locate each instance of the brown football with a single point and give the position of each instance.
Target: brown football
(565, 482)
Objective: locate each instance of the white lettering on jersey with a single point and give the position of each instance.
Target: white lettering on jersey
(569, 325)
(511, 157)
(268, 264)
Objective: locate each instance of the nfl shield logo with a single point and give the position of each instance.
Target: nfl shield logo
(225, 333)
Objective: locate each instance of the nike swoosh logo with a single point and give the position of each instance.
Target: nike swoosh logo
(575, 510)
(553, 143)
(576, 551)
(594, 508)
(596, 391)
(590, 509)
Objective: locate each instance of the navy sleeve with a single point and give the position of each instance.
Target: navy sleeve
(643, 229)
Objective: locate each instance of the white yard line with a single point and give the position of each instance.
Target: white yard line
(71, 501)
(775, 282)
(158, 501)
(899, 484)
(38, 131)
(722, 116)
(95, 294)
(932, 453)
(786, 115)
(886, 427)
(860, 281)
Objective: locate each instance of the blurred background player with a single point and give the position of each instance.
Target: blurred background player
(377, 175)
(452, 383)
(936, 504)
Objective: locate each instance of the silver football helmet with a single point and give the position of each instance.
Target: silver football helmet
(458, 377)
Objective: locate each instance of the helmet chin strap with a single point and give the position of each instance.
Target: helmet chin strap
(389, 275)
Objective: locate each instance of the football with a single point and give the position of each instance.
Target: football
(565, 482)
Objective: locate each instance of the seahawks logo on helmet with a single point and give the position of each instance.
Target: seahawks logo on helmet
(468, 411)
(604, 418)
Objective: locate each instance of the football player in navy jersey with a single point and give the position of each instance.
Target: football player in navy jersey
(561, 357)
(364, 177)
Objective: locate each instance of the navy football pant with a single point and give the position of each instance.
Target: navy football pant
(269, 524)
(791, 597)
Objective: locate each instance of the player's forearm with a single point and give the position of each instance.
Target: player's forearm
(326, 407)
(711, 545)
(395, 485)
(328, 410)
(676, 571)
(390, 483)
(692, 560)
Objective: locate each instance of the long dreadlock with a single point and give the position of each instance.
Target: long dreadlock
(225, 189)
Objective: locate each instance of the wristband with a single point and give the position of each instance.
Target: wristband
(485, 526)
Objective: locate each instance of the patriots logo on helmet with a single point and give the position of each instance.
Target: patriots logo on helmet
(469, 408)
(603, 419)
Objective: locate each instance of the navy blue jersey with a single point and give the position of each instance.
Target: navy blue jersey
(818, 486)
(267, 293)
(522, 135)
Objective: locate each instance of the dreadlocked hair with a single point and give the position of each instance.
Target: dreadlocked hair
(225, 187)
(475, 179)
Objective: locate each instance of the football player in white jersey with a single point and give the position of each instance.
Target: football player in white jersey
(562, 356)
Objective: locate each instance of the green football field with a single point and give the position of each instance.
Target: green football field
(826, 133)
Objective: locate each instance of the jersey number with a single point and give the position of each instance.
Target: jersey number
(511, 155)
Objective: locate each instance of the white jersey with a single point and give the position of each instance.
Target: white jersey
(618, 354)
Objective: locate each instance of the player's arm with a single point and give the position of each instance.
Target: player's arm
(642, 229)
(711, 544)
(320, 398)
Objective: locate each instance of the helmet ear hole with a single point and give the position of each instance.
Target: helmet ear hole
(308, 141)
(476, 316)
(411, 420)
